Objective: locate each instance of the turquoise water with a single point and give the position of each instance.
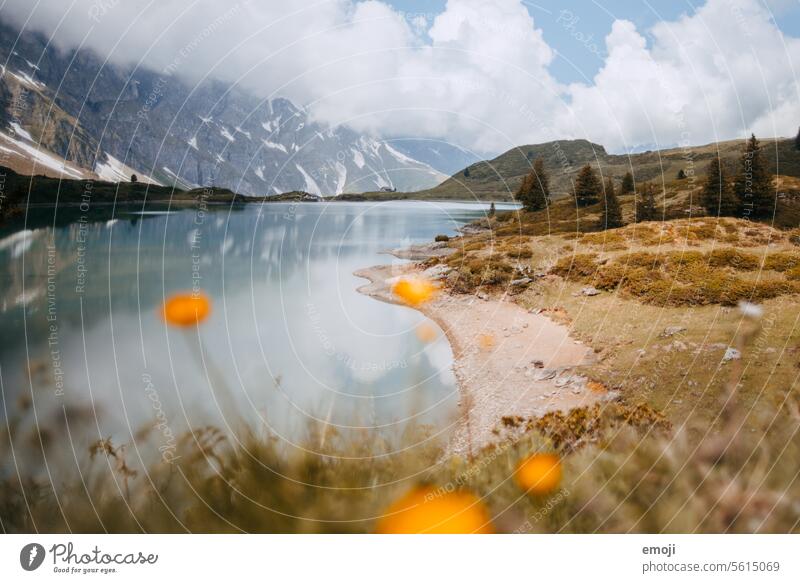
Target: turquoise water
(289, 339)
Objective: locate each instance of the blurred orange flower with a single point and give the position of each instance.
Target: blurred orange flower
(486, 341)
(426, 333)
(539, 474)
(415, 291)
(186, 309)
(423, 510)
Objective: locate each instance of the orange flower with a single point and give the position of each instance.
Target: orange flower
(186, 309)
(486, 341)
(539, 474)
(414, 290)
(426, 333)
(423, 510)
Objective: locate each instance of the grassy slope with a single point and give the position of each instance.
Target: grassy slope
(499, 178)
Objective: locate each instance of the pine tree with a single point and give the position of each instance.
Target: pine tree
(754, 182)
(797, 140)
(466, 172)
(523, 194)
(540, 187)
(717, 197)
(492, 210)
(646, 208)
(612, 214)
(587, 187)
(627, 184)
(681, 174)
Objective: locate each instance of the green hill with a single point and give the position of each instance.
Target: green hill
(499, 178)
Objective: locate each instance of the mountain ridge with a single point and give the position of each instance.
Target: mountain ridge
(70, 114)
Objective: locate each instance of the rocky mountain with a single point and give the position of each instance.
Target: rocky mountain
(70, 114)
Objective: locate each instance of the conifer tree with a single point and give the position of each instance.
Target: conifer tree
(492, 210)
(540, 186)
(797, 140)
(627, 184)
(612, 214)
(646, 208)
(681, 174)
(524, 191)
(718, 197)
(534, 192)
(587, 187)
(754, 182)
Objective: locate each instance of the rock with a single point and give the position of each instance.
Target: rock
(672, 330)
(590, 291)
(521, 281)
(537, 363)
(546, 374)
(731, 354)
(482, 296)
(437, 271)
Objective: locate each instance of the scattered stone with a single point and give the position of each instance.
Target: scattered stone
(521, 281)
(482, 296)
(672, 330)
(546, 374)
(731, 354)
(641, 352)
(590, 291)
(675, 346)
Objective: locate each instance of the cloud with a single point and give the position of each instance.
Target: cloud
(477, 74)
(722, 71)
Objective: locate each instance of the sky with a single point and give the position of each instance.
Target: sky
(484, 75)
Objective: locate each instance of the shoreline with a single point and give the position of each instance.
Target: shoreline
(507, 361)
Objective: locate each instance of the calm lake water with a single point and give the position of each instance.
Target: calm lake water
(289, 340)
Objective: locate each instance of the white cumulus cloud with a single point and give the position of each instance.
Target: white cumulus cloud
(477, 74)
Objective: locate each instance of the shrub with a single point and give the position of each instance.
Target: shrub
(576, 267)
(441, 238)
(782, 261)
(730, 257)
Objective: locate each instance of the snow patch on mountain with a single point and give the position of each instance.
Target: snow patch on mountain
(311, 184)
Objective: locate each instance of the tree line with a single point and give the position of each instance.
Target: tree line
(749, 194)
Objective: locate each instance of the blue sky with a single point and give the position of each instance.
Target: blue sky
(574, 63)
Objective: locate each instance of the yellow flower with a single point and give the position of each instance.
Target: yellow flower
(186, 309)
(423, 510)
(414, 291)
(539, 474)
(426, 333)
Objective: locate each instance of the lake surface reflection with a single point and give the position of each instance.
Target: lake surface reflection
(289, 339)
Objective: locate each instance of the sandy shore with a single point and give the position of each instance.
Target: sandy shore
(507, 361)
